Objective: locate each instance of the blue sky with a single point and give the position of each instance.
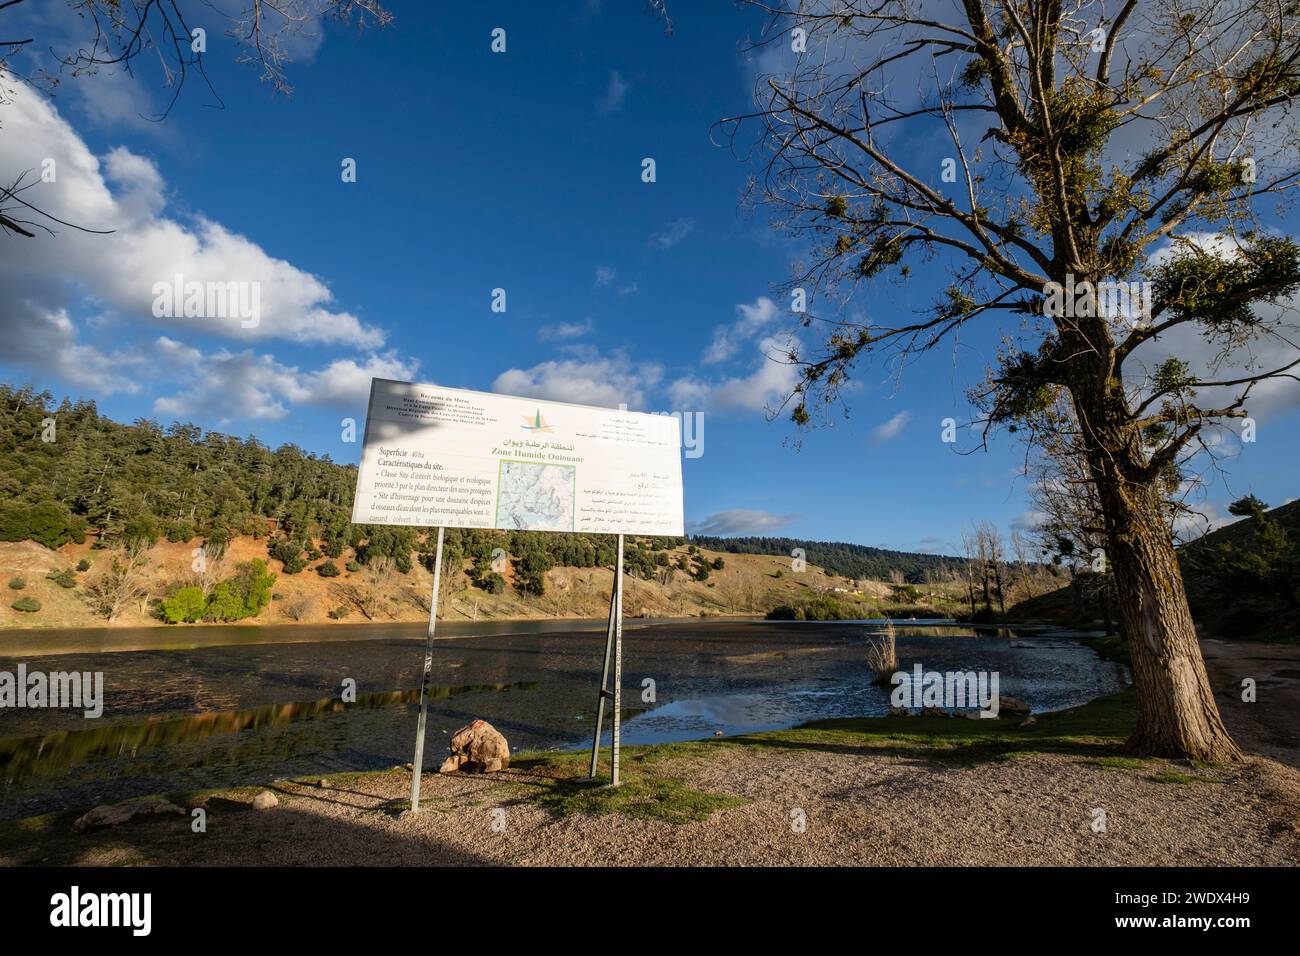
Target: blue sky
(478, 171)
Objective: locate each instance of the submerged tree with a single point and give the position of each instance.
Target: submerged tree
(1090, 172)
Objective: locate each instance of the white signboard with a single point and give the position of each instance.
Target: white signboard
(445, 456)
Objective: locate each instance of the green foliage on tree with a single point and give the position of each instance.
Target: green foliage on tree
(185, 606)
(240, 596)
(328, 569)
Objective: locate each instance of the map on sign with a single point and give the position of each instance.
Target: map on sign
(533, 497)
(435, 456)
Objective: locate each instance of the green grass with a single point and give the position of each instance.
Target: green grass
(1170, 776)
(1117, 763)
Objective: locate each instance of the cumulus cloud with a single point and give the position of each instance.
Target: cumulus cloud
(764, 387)
(751, 320)
(246, 385)
(586, 379)
(125, 192)
(891, 429)
(739, 521)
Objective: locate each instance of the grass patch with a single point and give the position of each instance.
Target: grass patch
(1097, 729)
(644, 797)
(1117, 763)
(1173, 777)
(646, 792)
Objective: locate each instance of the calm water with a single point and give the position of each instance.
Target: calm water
(237, 706)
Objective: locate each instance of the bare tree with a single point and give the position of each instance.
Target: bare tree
(1089, 145)
(121, 583)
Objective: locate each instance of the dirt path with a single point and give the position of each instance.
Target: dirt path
(1270, 725)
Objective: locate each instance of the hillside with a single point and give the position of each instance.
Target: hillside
(1243, 580)
(838, 557)
(108, 507)
(744, 585)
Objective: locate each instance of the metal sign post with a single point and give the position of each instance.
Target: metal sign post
(614, 648)
(418, 764)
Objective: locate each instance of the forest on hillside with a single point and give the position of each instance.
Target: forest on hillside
(66, 471)
(838, 557)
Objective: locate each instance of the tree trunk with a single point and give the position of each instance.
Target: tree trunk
(1177, 715)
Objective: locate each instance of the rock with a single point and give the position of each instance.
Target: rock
(899, 712)
(1010, 707)
(1029, 721)
(265, 800)
(478, 747)
(322, 783)
(114, 814)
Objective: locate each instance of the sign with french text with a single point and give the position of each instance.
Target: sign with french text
(435, 456)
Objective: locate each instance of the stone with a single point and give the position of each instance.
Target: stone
(322, 783)
(265, 800)
(117, 813)
(477, 747)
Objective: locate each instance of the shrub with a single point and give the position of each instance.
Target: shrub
(17, 583)
(28, 604)
(353, 566)
(718, 564)
(243, 595)
(491, 582)
(293, 565)
(185, 606)
(328, 570)
(339, 613)
(180, 531)
(64, 579)
(83, 565)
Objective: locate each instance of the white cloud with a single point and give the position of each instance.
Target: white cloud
(615, 93)
(763, 388)
(891, 429)
(605, 275)
(673, 233)
(245, 385)
(752, 319)
(739, 521)
(587, 379)
(126, 193)
(564, 330)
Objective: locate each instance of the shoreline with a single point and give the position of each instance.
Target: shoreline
(850, 791)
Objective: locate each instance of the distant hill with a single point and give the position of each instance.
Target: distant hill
(1243, 580)
(838, 557)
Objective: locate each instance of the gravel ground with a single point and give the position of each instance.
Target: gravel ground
(858, 808)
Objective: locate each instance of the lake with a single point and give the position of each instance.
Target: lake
(208, 707)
